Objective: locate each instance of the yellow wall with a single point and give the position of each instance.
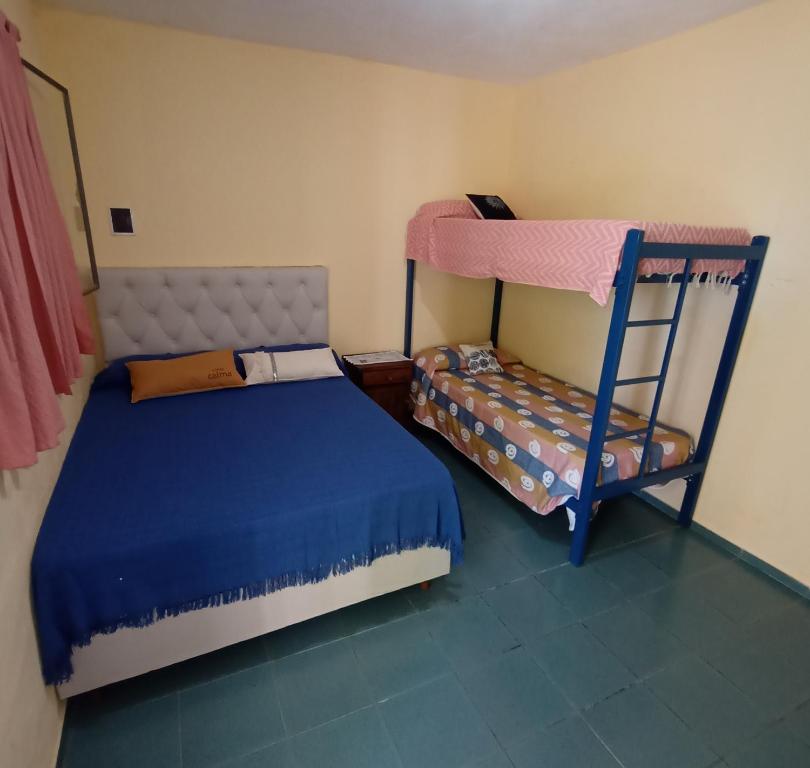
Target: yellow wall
(235, 153)
(22, 13)
(30, 714)
(709, 127)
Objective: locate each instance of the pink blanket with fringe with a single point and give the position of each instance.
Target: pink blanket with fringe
(577, 254)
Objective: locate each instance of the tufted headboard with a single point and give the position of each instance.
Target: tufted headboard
(185, 309)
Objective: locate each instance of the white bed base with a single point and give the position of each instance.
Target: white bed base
(130, 652)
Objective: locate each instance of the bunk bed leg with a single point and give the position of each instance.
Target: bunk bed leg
(731, 347)
(406, 347)
(690, 498)
(496, 312)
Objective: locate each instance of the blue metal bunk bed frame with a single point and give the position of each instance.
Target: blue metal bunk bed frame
(635, 249)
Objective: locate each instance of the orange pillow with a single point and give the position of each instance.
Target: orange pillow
(181, 375)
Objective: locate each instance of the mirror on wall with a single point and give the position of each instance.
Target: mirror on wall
(51, 103)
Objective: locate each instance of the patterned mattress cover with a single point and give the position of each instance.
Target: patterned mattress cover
(529, 430)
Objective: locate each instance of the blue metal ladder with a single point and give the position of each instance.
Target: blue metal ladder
(634, 250)
(660, 379)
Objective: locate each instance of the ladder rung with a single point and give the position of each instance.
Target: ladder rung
(637, 380)
(631, 433)
(642, 323)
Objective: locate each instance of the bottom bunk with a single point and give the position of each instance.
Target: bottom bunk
(529, 430)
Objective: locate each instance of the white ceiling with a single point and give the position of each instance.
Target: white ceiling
(503, 40)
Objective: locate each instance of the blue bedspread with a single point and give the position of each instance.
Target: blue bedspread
(184, 502)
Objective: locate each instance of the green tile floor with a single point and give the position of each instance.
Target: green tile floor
(661, 652)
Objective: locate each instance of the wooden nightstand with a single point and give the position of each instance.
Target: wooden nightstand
(387, 384)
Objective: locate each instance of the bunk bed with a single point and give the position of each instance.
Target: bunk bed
(593, 256)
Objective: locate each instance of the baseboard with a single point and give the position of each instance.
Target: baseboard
(755, 562)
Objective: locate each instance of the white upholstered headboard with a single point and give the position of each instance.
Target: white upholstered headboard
(185, 309)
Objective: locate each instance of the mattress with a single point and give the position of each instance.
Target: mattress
(572, 254)
(186, 502)
(529, 430)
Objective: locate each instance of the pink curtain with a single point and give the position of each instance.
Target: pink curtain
(44, 327)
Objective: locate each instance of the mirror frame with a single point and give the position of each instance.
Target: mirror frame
(76, 165)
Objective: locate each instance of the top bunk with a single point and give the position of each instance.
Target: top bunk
(577, 254)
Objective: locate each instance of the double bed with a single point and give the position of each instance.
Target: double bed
(180, 525)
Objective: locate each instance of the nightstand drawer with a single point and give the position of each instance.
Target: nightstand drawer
(379, 378)
(385, 382)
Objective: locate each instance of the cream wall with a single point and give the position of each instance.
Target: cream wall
(30, 714)
(236, 153)
(22, 13)
(709, 127)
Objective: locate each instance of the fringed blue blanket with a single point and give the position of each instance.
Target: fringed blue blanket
(180, 503)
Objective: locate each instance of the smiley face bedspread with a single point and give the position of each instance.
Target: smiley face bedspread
(529, 430)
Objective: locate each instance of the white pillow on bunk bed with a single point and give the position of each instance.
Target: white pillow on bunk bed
(501, 355)
(484, 346)
(299, 365)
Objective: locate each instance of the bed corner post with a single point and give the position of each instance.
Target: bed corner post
(722, 379)
(406, 347)
(582, 507)
(496, 312)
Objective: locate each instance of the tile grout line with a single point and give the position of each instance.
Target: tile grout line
(454, 673)
(280, 708)
(290, 737)
(179, 729)
(577, 712)
(333, 640)
(609, 651)
(449, 672)
(388, 733)
(683, 722)
(602, 741)
(271, 664)
(771, 721)
(421, 684)
(463, 687)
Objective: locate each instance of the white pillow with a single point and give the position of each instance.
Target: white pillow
(303, 364)
(468, 349)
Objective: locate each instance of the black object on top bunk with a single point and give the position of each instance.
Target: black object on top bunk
(491, 207)
(635, 249)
